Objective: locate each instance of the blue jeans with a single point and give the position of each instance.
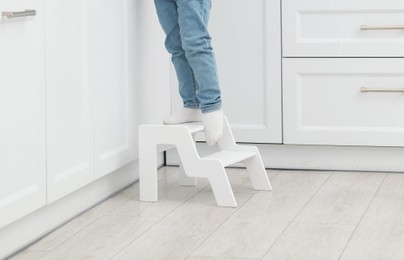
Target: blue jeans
(189, 43)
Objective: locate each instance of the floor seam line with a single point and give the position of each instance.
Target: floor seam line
(287, 226)
(96, 219)
(200, 244)
(140, 235)
(364, 213)
(245, 203)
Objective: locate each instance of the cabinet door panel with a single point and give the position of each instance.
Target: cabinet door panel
(246, 40)
(90, 108)
(324, 103)
(70, 138)
(109, 57)
(22, 112)
(334, 28)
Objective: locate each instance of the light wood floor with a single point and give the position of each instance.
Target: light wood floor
(308, 215)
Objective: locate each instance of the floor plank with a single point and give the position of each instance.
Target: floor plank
(28, 255)
(72, 227)
(251, 231)
(102, 239)
(308, 215)
(178, 234)
(393, 187)
(218, 258)
(310, 241)
(343, 199)
(380, 235)
(171, 195)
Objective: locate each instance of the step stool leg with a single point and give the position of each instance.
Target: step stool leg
(186, 180)
(257, 173)
(147, 171)
(222, 189)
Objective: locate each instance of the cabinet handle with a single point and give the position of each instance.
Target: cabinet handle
(391, 90)
(11, 15)
(392, 27)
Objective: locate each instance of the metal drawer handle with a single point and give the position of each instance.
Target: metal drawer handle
(391, 90)
(11, 15)
(392, 27)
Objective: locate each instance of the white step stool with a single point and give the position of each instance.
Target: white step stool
(158, 138)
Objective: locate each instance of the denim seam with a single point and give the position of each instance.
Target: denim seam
(203, 17)
(194, 87)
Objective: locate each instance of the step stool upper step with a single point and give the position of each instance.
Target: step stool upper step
(230, 157)
(193, 126)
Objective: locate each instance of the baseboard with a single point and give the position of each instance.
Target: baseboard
(32, 227)
(318, 157)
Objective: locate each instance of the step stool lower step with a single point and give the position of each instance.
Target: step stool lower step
(230, 157)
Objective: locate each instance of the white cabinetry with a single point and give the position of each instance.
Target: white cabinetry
(332, 49)
(22, 111)
(324, 104)
(77, 54)
(247, 43)
(69, 99)
(337, 28)
(90, 92)
(110, 67)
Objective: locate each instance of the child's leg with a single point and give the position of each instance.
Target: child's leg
(168, 17)
(193, 16)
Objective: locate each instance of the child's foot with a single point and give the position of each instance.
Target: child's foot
(213, 122)
(184, 115)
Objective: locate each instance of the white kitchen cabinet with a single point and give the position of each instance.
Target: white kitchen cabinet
(324, 104)
(22, 111)
(247, 43)
(335, 28)
(90, 92)
(67, 112)
(78, 55)
(110, 71)
(69, 99)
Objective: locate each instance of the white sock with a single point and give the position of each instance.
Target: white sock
(184, 115)
(213, 122)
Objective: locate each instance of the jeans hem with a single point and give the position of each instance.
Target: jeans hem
(191, 106)
(211, 109)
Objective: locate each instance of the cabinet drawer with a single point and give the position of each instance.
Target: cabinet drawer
(324, 104)
(343, 28)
